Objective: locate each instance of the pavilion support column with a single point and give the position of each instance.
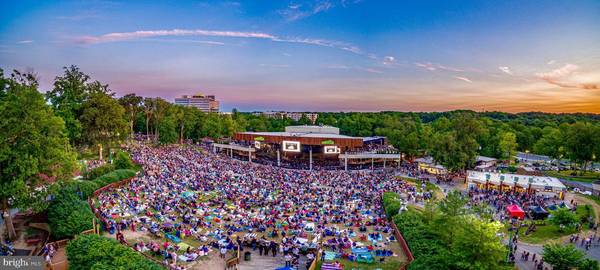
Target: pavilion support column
(310, 159)
(214, 149)
(249, 155)
(399, 157)
(346, 163)
(278, 158)
(384, 159)
(372, 163)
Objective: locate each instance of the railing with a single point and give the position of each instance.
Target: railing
(409, 256)
(233, 262)
(404, 246)
(313, 265)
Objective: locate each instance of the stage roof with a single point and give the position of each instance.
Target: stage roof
(302, 135)
(305, 138)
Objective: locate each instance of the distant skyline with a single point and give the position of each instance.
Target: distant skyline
(320, 55)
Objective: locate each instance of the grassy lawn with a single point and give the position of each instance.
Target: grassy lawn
(543, 233)
(547, 231)
(593, 198)
(387, 265)
(587, 177)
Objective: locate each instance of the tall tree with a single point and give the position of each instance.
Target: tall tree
(507, 145)
(562, 257)
(551, 143)
(102, 120)
(69, 92)
(581, 142)
(34, 148)
(148, 113)
(132, 105)
(159, 107)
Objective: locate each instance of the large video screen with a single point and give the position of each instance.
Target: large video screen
(290, 146)
(331, 149)
(257, 144)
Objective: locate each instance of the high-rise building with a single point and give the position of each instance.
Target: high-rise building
(200, 101)
(296, 116)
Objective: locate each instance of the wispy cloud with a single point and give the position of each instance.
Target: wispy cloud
(275, 65)
(25, 42)
(295, 12)
(551, 62)
(124, 36)
(345, 67)
(506, 70)
(463, 79)
(388, 60)
(436, 66)
(562, 77)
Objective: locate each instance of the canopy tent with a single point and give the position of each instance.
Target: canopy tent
(515, 211)
(538, 213)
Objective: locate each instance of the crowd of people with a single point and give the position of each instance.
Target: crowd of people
(224, 204)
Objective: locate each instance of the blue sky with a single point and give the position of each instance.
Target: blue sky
(323, 55)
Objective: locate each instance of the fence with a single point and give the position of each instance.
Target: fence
(313, 265)
(401, 242)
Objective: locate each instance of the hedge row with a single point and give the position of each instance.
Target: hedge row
(97, 252)
(86, 188)
(391, 204)
(122, 161)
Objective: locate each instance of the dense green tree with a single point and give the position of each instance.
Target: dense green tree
(581, 142)
(103, 121)
(69, 215)
(562, 257)
(563, 217)
(132, 104)
(507, 145)
(551, 143)
(34, 148)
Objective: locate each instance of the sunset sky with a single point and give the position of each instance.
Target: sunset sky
(324, 55)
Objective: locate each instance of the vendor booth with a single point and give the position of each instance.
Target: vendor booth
(515, 211)
(538, 213)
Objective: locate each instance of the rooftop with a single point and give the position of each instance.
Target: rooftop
(301, 135)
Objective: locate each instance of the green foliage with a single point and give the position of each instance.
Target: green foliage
(84, 188)
(34, 144)
(123, 161)
(589, 264)
(391, 204)
(97, 252)
(102, 119)
(449, 236)
(563, 217)
(563, 257)
(168, 131)
(99, 171)
(68, 215)
(114, 176)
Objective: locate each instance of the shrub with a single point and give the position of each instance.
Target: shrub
(97, 252)
(68, 215)
(99, 171)
(123, 161)
(563, 217)
(114, 176)
(84, 189)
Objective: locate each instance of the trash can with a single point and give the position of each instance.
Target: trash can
(247, 256)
